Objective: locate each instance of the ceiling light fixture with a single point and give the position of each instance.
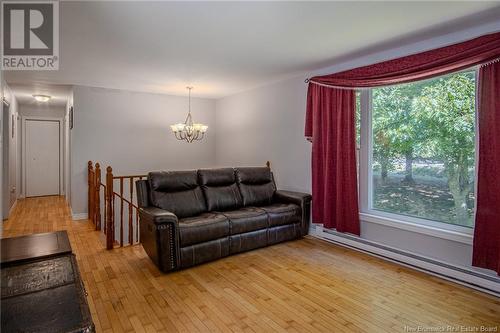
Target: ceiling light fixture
(188, 130)
(42, 98)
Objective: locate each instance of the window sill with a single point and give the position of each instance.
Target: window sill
(456, 236)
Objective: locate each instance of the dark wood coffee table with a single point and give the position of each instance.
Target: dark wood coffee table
(42, 290)
(36, 246)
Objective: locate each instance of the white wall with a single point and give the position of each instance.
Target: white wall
(11, 144)
(130, 131)
(267, 123)
(41, 110)
(14, 143)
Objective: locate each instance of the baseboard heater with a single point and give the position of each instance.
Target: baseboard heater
(461, 275)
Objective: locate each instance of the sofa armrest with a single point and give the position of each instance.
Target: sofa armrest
(157, 215)
(160, 237)
(297, 198)
(303, 200)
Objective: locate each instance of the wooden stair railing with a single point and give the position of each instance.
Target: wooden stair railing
(133, 209)
(109, 225)
(113, 220)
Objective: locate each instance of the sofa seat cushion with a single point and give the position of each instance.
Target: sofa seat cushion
(246, 219)
(202, 228)
(282, 213)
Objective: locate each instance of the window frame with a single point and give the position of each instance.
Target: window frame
(369, 214)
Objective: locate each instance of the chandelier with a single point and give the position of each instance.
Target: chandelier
(188, 130)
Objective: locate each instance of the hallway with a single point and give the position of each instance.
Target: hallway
(301, 286)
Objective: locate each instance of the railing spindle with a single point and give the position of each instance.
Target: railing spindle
(121, 212)
(130, 225)
(137, 221)
(110, 235)
(105, 228)
(97, 197)
(137, 225)
(90, 179)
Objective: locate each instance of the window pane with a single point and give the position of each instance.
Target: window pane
(423, 149)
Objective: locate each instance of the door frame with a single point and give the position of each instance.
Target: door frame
(23, 153)
(5, 159)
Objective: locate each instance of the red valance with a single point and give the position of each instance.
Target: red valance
(419, 66)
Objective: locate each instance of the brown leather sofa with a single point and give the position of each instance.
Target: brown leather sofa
(191, 217)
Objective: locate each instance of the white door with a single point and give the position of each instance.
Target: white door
(42, 157)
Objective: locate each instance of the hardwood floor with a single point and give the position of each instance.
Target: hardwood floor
(301, 286)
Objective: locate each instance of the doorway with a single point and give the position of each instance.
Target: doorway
(42, 156)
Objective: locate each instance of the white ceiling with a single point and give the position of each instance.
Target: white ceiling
(225, 47)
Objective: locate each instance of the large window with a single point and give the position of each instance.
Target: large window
(419, 150)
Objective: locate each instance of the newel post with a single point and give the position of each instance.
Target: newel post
(97, 201)
(91, 191)
(110, 225)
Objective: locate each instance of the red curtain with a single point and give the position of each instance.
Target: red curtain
(486, 252)
(330, 125)
(419, 66)
(334, 176)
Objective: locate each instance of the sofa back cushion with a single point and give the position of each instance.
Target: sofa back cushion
(220, 189)
(256, 186)
(178, 192)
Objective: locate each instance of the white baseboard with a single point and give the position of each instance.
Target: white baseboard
(462, 275)
(80, 216)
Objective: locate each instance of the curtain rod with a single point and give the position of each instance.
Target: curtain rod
(330, 86)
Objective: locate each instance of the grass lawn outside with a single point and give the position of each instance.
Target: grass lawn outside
(428, 197)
